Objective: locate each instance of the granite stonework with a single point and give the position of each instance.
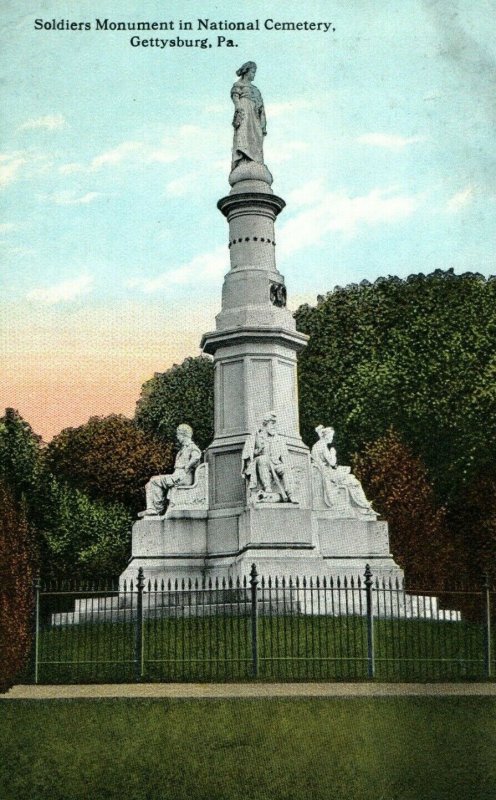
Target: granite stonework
(260, 495)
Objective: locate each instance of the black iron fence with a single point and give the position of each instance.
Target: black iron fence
(355, 628)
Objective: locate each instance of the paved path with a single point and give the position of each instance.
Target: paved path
(231, 690)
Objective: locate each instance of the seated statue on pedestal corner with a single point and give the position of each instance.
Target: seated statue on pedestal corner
(341, 488)
(266, 464)
(158, 486)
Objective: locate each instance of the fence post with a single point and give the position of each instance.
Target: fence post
(486, 592)
(37, 589)
(139, 654)
(370, 623)
(254, 620)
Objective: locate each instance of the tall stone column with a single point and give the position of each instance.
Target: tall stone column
(255, 342)
(254, 346)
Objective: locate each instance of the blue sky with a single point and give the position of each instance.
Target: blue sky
(380, 139)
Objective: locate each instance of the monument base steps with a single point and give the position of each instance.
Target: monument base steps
(284, 541)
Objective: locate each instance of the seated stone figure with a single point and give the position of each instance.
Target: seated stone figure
(342, 490)
(266, 464)
(185, 464)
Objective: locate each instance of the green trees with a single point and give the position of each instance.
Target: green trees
(94, 486)
(83, 537)
(417, 354)
(20, 456)
(108, 458)
(185, 393)
(472, 519)
(81, 492)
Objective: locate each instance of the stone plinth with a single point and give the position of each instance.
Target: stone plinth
(158, 536)
(277, 525)
(282, 539)
(340, 538)
(230, 517)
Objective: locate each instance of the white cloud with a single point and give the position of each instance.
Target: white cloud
(330, 211)
(62, 292)
(201, 268)
(338, 212)
(181, 142)
(14, 252)
(70, 198)
(69, 169)
(460, 199)
(117, 154)
(164, 154)
(126, 151)
(180, 186)
(123, 153)
(31, 163)
(388, 140)
(306, 193)
(6, 227)
(49, 122)
(298, 104)
(9, 167)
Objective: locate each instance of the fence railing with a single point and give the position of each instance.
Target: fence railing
(355, 628)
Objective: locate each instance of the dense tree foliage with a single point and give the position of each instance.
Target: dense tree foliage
(83, 538)
(473, 522)
(108, 458)
(185, 393)
(77, 524)
(397, 484)
(418, 354)
(18, 562)
(20, 455)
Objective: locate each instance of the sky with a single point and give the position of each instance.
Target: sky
(380, 140)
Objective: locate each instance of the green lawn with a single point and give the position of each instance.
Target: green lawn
(289, 648)
(270, 749)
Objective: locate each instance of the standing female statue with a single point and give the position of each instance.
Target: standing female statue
(249, 117)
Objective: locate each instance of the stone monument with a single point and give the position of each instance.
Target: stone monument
(259, 495)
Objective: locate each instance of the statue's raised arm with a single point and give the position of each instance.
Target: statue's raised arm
(249, 118)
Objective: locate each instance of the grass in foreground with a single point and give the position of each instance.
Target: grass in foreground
(344, 749)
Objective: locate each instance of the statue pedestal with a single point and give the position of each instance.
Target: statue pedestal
(282, 539)
(281, 525)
